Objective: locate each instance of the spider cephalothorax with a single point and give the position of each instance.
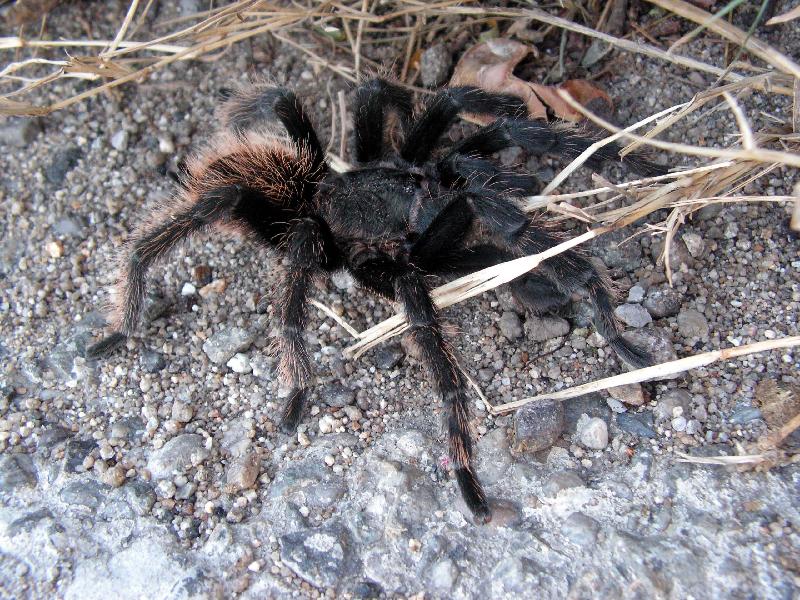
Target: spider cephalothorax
(400, 215)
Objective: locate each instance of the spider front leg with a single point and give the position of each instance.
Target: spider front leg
(438, 355)
(439, 358)
(251, 108)
(171, 226)
(372, 99)
(304, 251)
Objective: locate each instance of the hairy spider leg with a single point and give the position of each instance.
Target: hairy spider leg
(369, 112)
(407, 285)
(539, 137)
(304, 247)
(437, 251)
(535, 291)
(251, 108)
(424, 133)
(152, 243)
(460, 171)
(570, 270)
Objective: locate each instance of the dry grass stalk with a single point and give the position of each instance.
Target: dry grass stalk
(121, 61)
(659, 371)
(732, 33)
(768, 453)
(466, 287)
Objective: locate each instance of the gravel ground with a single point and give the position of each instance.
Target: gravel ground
(160, 472)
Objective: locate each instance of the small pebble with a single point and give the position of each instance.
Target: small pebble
(240, 363)
(593, 432)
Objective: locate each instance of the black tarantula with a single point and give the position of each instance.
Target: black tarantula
(400, 215)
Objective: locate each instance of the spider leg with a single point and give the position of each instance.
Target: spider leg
(305, 255)
(539, 137)
(570, 270)
(533, 290)
(460, 171)
(151, 243)
(254, 107)
(441, 113)
(371, 101)
(439, 357)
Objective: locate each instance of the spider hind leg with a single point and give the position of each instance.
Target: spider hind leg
(569, 271)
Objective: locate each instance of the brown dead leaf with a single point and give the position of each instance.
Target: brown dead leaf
(490, 65)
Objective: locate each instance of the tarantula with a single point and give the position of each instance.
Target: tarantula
(400, 215)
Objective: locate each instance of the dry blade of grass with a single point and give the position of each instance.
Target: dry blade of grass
(768, 455)
(466, 287)
(732, 33)
(659, 371)
(759, 155)
(219, 28)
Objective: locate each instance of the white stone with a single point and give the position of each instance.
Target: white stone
(240, 363)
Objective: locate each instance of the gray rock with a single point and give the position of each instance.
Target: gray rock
(242, 472)
(237, 437)
(52, 436)
(28, 522)
(663, 301)
(443, 575)
(593, 433)
(129, 428)
(633, 315)
(187, 449)
(17, 471)
(119, 141)
(141, 497)
(317, 556)
(678, 254)
(74, 453)
(538, 425)
(337, 395)
(636, 294)
(435, 65)
(665, 409)
(152, 362)
(640, 424)
(580, 529)
(744, 415)
(591, 404)
(86, 493)
(510, 325)
(413, 443)
(240, 363)
(561, 480)
(618, 253)
(155, 306)
(222, 346)
(692, 324)
(20, 132)
(493, 456)
(678, 423)
(62, 162)
(541, 329)
(389, 356)
(656, 341)
(694, 244)
(320, 496)
(71, 226)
